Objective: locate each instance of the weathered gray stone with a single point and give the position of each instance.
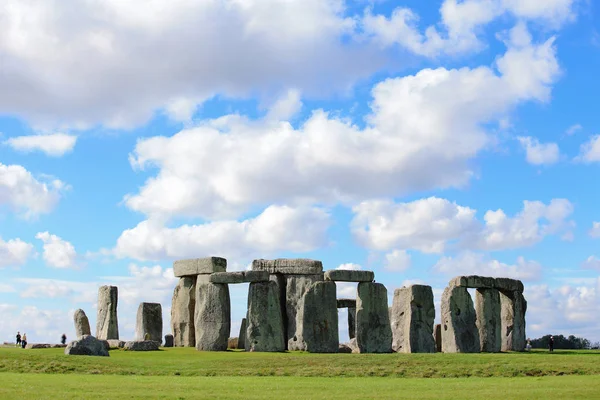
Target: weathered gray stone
(107, 325)
(169, 340)
(346, 303)
(38, 346)
(149, 323)
(345, 275)
(182, 312)
(256, 276)
(351, 322)
(227, 277)
(353, 346)
(487, 307)
(513, 309)
(142, 345)
(413, 314)
(197, 266)
(508, 285)
(242, 335)
(264, 330)
(213, 316)
(344, 348)
(295, 287)
(59, 346)
(373, 330)
(115, 344)
(472, 281)
(437, 336)
(82, 324)
(459, 329)
(288, 266)
(87, 346)
(317, 320)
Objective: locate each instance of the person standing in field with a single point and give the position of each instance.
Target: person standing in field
(63, 339)
(18, 339)
(551, 343)
(24, 340)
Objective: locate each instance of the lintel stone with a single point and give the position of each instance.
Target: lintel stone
(227, 277)
(289, 266)
(344, 275)
(197, 266)
(346, 303)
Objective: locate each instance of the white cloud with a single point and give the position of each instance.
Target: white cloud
(277, 228)
(397, 261)
(79, 64)
(573, 129)
(590, 151)
(14, 252)
(58, 253)
(350, 267)
(26, 195)
(286, 106)
(539, 153)
(470, 263)
(591, 262)
(422, 132)
(431, 225)
(5, 288)
(595, 231)
(54, 145)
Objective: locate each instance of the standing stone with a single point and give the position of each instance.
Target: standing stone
(182, 312)
(168, 340)
(82, 324)
(264, 330)
(242, 335)
(413, 314)
(437, 335)
(513, 308)
(459, 328)
(373, 330)
(213, 315)
(351, 322)
(107, 325)
(317, 320)
(149, 323)
(295, 287)
(487, 307)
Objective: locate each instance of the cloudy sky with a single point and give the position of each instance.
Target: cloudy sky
(418, 139)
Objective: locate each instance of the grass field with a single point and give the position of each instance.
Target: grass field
(186, 373)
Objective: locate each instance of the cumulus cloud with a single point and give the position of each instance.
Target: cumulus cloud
(397, 261)
(592, 262)
(223, 167)
(470, 263)
(21, 192)
(54, 145)
(14, 252)
(277, 228)
(539, 153)
(590, 151)
(431, 225)
(58, 253)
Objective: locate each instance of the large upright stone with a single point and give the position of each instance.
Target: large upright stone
(212, 315)
(149, 322)
(437, 335)
(289, 266)
(82, 324)
(352, 322)
(169, 340)
(459, 328)
(107, 325)
(264, 330)
(197, 266)
(413, 314)
(242, 335)
(317, 320)
(182, 312)
(295, 287)
(373, 330)
(513, 308)
(487, 307)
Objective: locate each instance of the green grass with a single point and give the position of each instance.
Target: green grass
(187, 373)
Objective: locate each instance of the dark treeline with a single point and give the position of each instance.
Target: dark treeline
(561, 342)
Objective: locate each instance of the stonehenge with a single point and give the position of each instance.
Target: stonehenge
(149, 323)
(373, 330)
(82, 324)
(412, 318)
(107, 325)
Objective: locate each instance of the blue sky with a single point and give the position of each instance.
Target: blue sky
(421, 140)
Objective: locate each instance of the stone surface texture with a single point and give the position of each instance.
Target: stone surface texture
(82, 324)
(351, 322)
(509, 285)
(182, 312)
(142, 345)
(212, 316)
(197, 266)
(149, 322)
(346, 303)
(437, 335)
(512, 328)
(413, 314)
(295, 288)
(265, 331)
(459, 329)
(242, 336)
(227, 277)
(317, 320)
(115, 344)
(107, 325)
(373, 330)
(289, 266)
(87, 346)
(487, 308)
(256, 276)
(346, 275)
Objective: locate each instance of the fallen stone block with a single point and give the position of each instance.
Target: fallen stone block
(197, 266)
(297, 266)
(82, 323)
(142, 345)
(87, 346)
(413, 314)
(459, 329)
(115, 344)
(59, 346)
(344, 348)
(149, 322)
(183, 309)
(344, 275)
(346, 303)
(264, 330)
(38, 346)
(373, 330)
(107, 325)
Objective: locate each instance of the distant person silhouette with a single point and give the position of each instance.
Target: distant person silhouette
(551, 343)
(18, 339)
(63, 339)
(24, 340)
